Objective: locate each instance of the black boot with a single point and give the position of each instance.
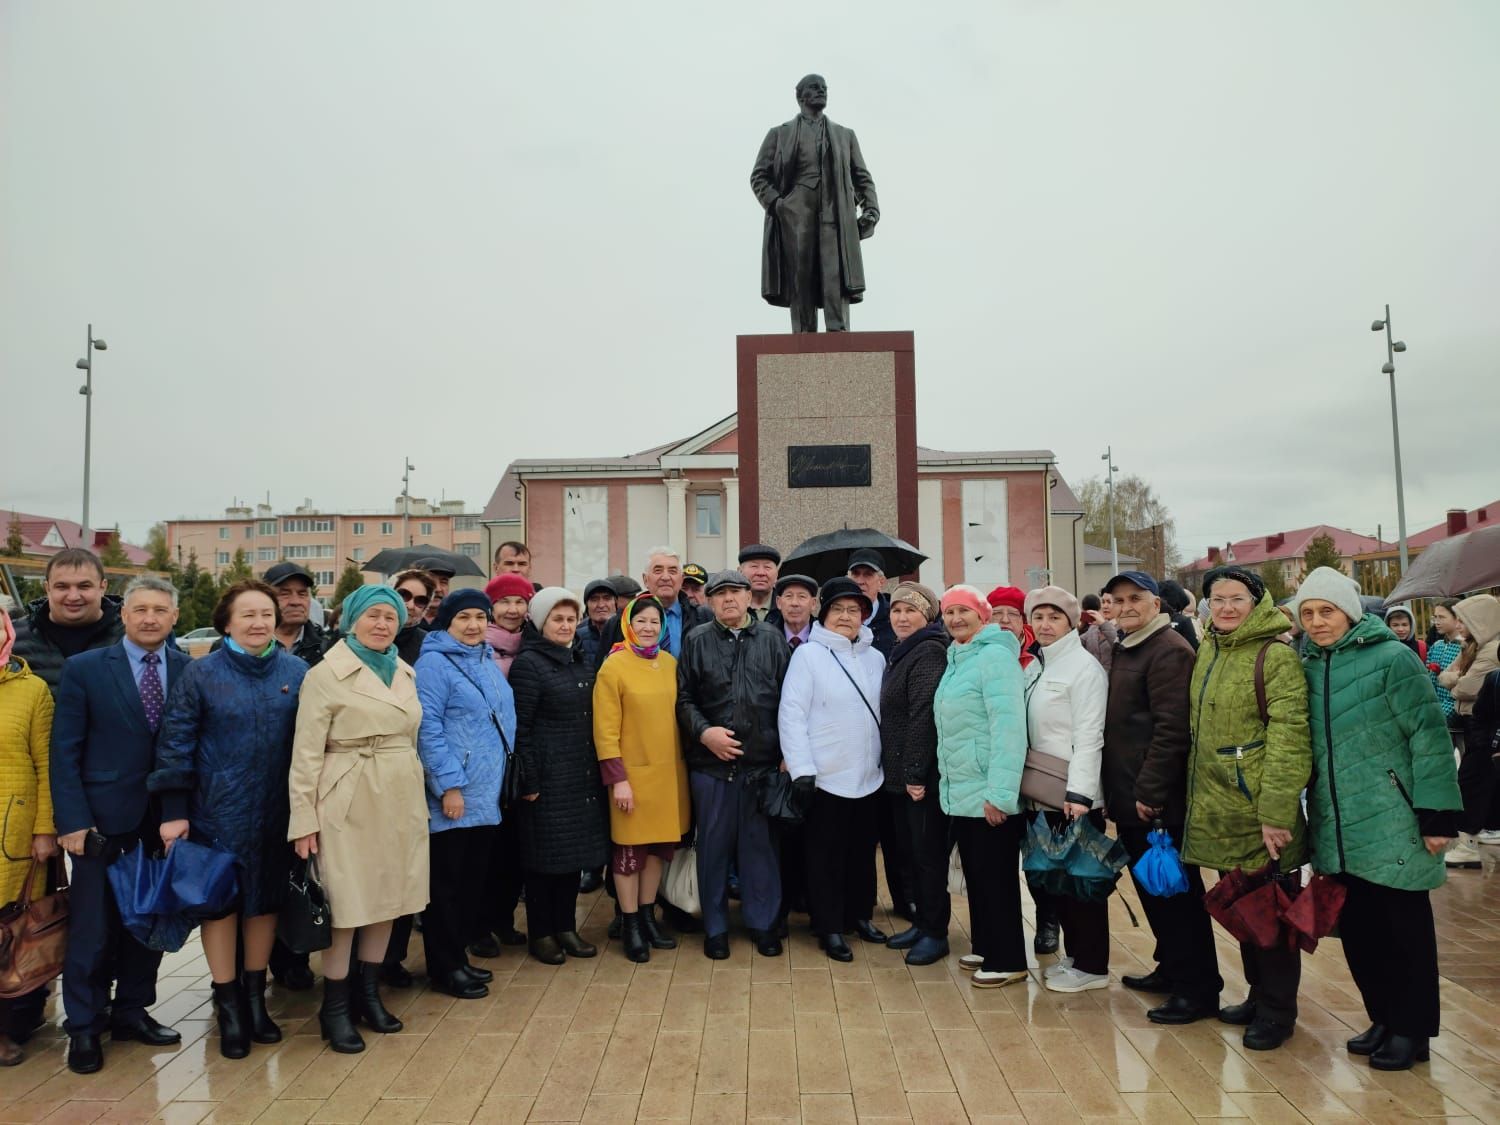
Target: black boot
(234, 1020)
(632, 940)
(1368, 1041)
(1400, 1052)
(367, 1006)
(651, 928)
(334, 1018)
(262, 1028)
(575, 946)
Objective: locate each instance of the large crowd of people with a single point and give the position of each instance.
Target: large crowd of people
(446, 752)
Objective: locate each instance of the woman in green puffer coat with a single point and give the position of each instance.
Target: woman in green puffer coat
(1248, 766)
(1381, 807)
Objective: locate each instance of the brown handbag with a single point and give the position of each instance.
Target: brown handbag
(1044, 779)
(34, 933)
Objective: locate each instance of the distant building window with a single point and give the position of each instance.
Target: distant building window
(223, 533)
(249, 532)
(359, 527)
(710, 513)
(465, 523)
(222, 558)
(424, 529)
(386, 528)
(297, 527)
(266, 527)
(316, 551)
(265, 554)
(324, 577)
(358, 554)
(470, 549)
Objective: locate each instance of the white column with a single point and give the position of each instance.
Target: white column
(731, 519)
(677, 514)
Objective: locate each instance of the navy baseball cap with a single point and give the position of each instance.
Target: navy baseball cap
(1135, 578)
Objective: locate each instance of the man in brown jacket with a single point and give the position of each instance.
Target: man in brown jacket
(1146, 742)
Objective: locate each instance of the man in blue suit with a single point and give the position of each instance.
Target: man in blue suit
(109, 705)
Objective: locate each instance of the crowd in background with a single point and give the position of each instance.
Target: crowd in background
(439, 754)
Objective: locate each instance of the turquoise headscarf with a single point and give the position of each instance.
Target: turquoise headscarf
(383, 664)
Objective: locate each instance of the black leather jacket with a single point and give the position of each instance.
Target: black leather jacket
(728, 679)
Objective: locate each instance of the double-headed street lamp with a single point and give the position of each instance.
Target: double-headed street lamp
(1391, 348)
(86, 365)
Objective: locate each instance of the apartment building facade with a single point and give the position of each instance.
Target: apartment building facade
(322, 541)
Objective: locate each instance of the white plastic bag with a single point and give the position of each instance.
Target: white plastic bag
(679, 882)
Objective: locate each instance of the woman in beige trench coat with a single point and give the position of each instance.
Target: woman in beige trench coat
(358, 804)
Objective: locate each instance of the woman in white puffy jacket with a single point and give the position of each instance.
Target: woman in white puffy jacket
(1066, 691)
(830, 733)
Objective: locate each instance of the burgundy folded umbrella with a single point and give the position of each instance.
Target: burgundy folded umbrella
(1314, 912)
(1252, 906)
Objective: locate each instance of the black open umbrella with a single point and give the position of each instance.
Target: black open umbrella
(827, 556)
(393, 560)
(1451, 567)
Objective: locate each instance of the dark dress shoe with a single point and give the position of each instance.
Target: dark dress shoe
(1266, 1035)
(10, 1054)
(589, 882)
(296, 977)
(394, 974)
(1368, 1041)
(868, 931)
(651, 929)
(767, 944)
(1045, 941)
(836, 947)
(85, 1055)
(575, 946)
(144, 1029)
(1400, 1052)
(1238, 1015)
(483, 976)
(459, 985)
(716, 947)
(929, 951)
(487, 946)
(1154, 981)
(1180, 1010)
(512, 936)
(905, 939)
(548, 951)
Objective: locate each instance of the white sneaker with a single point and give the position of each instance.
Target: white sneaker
(1076, 980)
(1062, 966)
(1488, 836)
(984, 978)
(1462, 854)
(970, 962)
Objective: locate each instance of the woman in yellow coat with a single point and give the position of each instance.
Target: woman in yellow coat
(640, 760)
(25, 794)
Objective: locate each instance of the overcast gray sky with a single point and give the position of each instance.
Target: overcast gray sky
(319, 237)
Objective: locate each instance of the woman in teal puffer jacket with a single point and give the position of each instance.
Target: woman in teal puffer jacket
(1381, 809)
(980, 716)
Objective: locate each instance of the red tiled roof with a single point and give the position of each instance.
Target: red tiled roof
(1457, 523)
(34, 529)
(1287, 545)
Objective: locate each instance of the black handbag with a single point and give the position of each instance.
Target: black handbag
(783, 799)
(304, 923)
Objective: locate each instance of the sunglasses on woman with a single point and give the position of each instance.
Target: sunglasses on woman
(421, 601)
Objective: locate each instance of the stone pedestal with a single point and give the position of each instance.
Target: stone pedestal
(827, 435)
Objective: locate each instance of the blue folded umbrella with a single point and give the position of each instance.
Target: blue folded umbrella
(1159, 871)
(161, 898)
(1077, 860)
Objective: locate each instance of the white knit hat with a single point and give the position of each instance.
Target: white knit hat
(545, 600)
(1333, 586)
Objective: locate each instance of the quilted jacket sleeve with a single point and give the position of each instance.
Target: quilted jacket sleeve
(1006, 711)
(1288, 757)
(435, 683)
(176, 773)
(929, 663)
(1414, 704)
(1090, 694)
(1165, 763)
(41, 741)
(526, 685)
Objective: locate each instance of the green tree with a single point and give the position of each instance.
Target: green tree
(15, 545)
(204, 597)
(1271, 574)
(186, 581)
(1144, 528)
(1322, 551)
(113, 553)
(156, 546)
(238, 570)
(350, 580)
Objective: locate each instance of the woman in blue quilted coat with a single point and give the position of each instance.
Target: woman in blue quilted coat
(1381, 810)
(981, 729)
(222, 759)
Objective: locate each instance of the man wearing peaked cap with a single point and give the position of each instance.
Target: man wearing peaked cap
(694, 577)
(761, 564)
(867, 568)
(797, 603)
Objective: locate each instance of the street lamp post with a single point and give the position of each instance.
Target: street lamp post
(406, 501)
(1114, 548)
(86, 365)
(1393, 346)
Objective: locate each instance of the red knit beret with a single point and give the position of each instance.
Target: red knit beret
(509, 585)
(1013, 596)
